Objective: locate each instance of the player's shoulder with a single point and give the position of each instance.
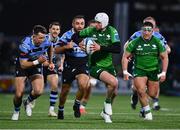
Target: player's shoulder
(135, 35)
(111, 28)
(67, 34)
(25, 44)
(26, 41)
(156, 39)
(157, 35)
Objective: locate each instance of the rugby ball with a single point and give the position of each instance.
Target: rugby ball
(88, 42)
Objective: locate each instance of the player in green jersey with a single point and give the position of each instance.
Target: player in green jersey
(155, 98)
(106, 42)
(146, 50)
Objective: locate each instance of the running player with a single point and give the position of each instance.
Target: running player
(155, 98)
(29, 64)
(146, 50)
(101, 66)
(75, 67)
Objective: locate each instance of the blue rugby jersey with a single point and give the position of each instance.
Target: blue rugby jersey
(156, 34)
(31, 52)
(76, 52)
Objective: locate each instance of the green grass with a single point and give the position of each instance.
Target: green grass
(123, 116)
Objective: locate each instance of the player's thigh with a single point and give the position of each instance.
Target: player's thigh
(37, 82)
(140, 83)
(153, 88)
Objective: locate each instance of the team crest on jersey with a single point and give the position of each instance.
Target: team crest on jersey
(116, 37)
(108, 37)
(100, 35)
(139, 48)
(154, 46)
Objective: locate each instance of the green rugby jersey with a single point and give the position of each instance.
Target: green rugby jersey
(103, 38)
(146, 52)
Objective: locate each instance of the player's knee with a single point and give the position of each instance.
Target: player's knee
(152, 94)
(141, 93)
(38, 91)
(114, 83)
(19, 95)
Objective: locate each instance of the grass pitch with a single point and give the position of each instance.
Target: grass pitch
(123, 116)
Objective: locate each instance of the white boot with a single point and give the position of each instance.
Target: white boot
(28, 108)
(15, 116)
(52, 112)
(106, 117)
(148, 116)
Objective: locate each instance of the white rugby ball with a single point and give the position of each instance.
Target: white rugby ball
(88, 42)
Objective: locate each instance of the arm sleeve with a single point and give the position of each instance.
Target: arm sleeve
(78, 37)
(23, 51)
(130, 46)
(114, 48)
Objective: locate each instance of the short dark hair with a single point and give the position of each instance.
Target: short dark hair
(148, 24)
(91, 21)
(78, 17)
(54, 23)
(39, 29)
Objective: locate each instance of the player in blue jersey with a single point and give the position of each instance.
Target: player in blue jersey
(52, 76)
(75, 67)
(155, 97)
(29, 65)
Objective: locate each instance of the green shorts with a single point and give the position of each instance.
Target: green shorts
(95, 71)
(152, 75)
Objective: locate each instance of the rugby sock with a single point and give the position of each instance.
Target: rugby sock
(17, 105)
(31, 98)
(108, 100)
(155, 100)
(53, 98)
(61, 108)
(147, 109)
(77, 103)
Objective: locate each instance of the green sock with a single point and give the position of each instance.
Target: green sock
(108, 100)
(84, 103)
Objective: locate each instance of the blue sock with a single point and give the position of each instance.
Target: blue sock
(53, 98)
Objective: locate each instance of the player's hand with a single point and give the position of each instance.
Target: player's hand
(60, 68)
(69, 45)
(42, 59)
(126, 75)
(46, 63)
(162, 76)
(95, 47)
(51, 66)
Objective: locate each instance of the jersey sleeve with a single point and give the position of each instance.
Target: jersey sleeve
(65, 38)
(23, 51)
(130, 46)
(161, 46)
(86, 32)
(114, 36)
(135, 35)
